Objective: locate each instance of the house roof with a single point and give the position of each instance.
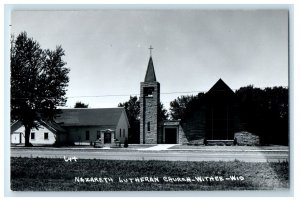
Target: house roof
(90, 116)
(15, 126)
(51, 125)
(150, 74)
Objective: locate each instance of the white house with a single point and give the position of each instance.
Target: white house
(78, 126)
(47, 134)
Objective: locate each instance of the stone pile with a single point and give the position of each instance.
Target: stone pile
(246, 138)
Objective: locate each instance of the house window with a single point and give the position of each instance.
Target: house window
(32, 136)
(87, 135)
(148, 126)
(98, 134)
(120, 132)
(123, 132)
(46, 136)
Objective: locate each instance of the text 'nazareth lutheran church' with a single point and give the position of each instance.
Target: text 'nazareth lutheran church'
(214, 119)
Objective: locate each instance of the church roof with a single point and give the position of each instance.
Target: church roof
(220, 91)
(90, 116)
(150, 74)
(220, 86)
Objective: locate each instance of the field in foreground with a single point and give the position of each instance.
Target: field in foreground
(40, 174)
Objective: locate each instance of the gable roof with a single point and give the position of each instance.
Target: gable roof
(220, 92)
(220, 86)
(150, 74)
(15, 126)
(51, 125)
(90, 116)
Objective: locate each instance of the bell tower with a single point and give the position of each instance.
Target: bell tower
(149, 102)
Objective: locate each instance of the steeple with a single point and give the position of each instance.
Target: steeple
(150, 74)
(149, 103)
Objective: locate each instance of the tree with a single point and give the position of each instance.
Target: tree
(162, 113)
(38, 82)
(179, 106)
(80, 105)
(265, 113)
(132, 108)
(189, 109)
(183, 106)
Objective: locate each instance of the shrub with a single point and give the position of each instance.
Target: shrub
(205, 142)
(56, 144)
(235, 141)
(126, 142)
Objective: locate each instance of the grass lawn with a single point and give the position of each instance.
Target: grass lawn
(40, 174)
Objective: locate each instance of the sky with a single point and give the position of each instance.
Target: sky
(107, 51)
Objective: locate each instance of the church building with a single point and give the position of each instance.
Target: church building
(214, 118)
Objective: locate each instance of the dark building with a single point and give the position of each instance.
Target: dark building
(221, 112)
(213, 115)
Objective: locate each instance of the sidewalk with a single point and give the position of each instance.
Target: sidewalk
(168, 147)
(158, 147)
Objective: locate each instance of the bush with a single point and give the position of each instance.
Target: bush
(56, 144)
(126, 143)
(235, 141)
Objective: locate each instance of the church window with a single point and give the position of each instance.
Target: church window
(148, 126)
(87, 135)
(123, 132)
(120, 132)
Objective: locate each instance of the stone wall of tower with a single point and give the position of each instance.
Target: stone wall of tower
(149, 113)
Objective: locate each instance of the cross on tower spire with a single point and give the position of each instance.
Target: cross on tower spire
(150, 48)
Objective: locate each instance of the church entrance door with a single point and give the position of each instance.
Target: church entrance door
(170, 135)
(107, 138)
